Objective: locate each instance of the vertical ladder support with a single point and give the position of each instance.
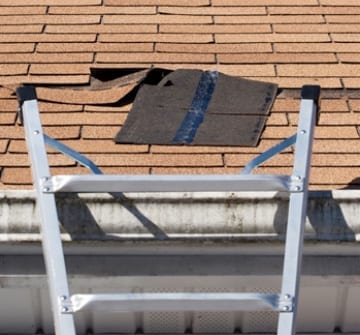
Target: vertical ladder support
(50, 230)
(297, 208)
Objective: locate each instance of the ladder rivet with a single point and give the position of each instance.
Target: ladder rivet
(287, 296)
(46, 189)
(63, 297)
(36, 132)
(298, 177)
(65, 309)
(285, 308)
(302, 132)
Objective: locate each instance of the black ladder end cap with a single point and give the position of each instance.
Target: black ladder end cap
(311, 92)
(25, 93)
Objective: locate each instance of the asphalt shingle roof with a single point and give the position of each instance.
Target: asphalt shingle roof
(289, 42)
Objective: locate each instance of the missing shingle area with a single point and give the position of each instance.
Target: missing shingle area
(326, 93)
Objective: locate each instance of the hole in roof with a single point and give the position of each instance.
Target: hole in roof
(106, 74)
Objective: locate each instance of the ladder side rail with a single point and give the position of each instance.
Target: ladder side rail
(50, 230)
(297, 209)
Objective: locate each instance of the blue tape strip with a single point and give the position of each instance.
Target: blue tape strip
(195, 116)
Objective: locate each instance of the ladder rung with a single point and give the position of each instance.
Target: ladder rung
(170, 183)
(132, 302)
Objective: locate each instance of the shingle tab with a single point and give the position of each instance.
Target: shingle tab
(223, 28)
(157, 2)
(273, 19)
(49, 19)
(154, 58)
(264, 3)
(157, 19)
(19, 3)
(271, 38)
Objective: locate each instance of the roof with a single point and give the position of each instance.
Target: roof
(291, 43)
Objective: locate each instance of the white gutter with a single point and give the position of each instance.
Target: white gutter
(332, 216)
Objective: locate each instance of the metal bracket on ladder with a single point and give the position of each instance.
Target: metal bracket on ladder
(65, 305)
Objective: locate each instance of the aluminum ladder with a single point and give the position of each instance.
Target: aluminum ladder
(64, 305)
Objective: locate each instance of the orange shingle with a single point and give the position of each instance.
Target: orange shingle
(226, 48)
(158, 160)
(9, 160)
(154, 58)
(49, 2)
(101, 29)
(49, 19)
(339, 2)
(348, 57)
(313, 10)
(24, 10)
(44, 79)
(248, 70)
(332, 119)
(339, 146)
(7, 118)
(99, 132)
(170, 149)
(237, 19)
(342, 18)
(327, 105)
(85, 146)
(213, 10)
(296, 82)
(351, 82)
(330, 132)
(325, 70)
(301, 28)
(254, 38)
(335, 175)
(156, 2)
(82, 119)
(264, 3)
(223, 28)
(47, 58)
(3, 146)
(59, 69)
(317, 47)
(46, 107)
(227, 57)
(355, 105)
(194, 170)
(16, 176)
(157, 19)
(166, 38)
(68, 48)
(90, 10)
(29, 38)
(13, 69)
(240, 160)
(30, 28)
